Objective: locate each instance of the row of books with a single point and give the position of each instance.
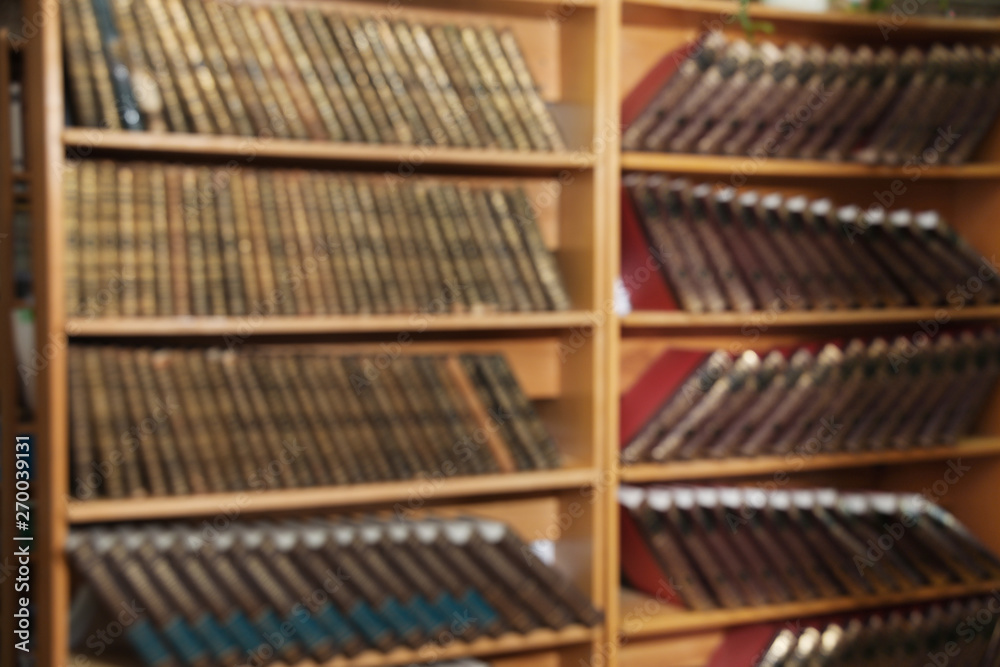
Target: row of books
(180, 421)
(154, 239)
(265, 592)
(920, 106)
(950, 633)
(215, 67)
(862, 396)
(726, 251)
(738, 547)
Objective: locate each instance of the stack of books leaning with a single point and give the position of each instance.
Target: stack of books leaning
(797, 403)
(721, 250)
(267, 70)
(187, 421)
(155, 239)
(729, 548)
(938, 633)
(264, 592)
(914, 108)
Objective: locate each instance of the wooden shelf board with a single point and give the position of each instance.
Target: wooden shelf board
(933, 24)
(744, 167)
(329, 497)
(670, 319)
(765, 465)
(248, 149)
(671, 619)
(283, 324)
(537, 640)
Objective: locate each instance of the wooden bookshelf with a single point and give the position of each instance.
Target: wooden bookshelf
(655, 635)
(560, 358)
(586, 56)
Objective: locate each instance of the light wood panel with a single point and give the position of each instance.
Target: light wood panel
(90, 141)
(651, 617)
(429, 489)
(718, 470)
(249, 325)
(746, 167)
(485, 647)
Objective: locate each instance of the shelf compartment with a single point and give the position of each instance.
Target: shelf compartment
(643, 616)
(327, 498)
(973, 447)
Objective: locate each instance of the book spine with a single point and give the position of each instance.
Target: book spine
(229, 241)
(82, 88)
(379, 244)
(430, 76)
(195, 108)
(233, 417)
(127, 259)
(100, 71)
(147, 240)
(166, 441)
(531, 122)
(280, 98)
(271, 225)
(374, 282)
(335, 191)
(199, 467)
(412, 97)
(347, 67)
(115, 58)
(356, 49)
(202, 283)
(220, 472)
(112, 482)
(111, 283)
(111, 379)
(74, 258)
(450, 237)
(391, 230)
(320, 211)
(258, 99)
(314, 107)
(162, 88)
(309, 58)
(83, 447)
(310, 265)
(215, 70)
(544, 261)
(174, 213)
